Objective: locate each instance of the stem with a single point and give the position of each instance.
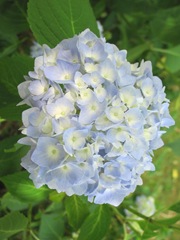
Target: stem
(29, 214)
(165, 51)
(123, 221)
(119, 216)
(125, 232)
(138, 214)
(33, 235)
(134, 230)
(25, 233)
(149, 219)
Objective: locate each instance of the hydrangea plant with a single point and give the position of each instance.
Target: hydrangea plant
(93, 121)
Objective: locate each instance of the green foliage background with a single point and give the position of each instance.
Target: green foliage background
(148, 30)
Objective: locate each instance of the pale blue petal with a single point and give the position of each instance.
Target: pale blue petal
(63, 72)
(48, 153)
(111, 196)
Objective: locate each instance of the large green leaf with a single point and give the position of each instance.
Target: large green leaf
(19, 185)
(54, 20)
(11, 224)
(76, 210)
(96, 224)
(51, 227)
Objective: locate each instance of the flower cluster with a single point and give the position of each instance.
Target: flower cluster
(144, 205)
(94, 119)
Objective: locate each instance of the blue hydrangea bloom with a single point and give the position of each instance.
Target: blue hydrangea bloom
(93, 121)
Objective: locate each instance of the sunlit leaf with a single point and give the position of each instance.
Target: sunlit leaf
(56, 197)
(53, 21)
(19, 185)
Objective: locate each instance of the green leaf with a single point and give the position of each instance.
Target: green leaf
(53, 21)
(96, 224)
(151, 229)
(19, 185)
(9, 49)
(10, 161)
(99, 8)
(148, 225)
(54, 196)
(12, 17)
(169, 221)
(175, 207)
(136, 52)
(155, 227)
(8, 143)
(76, 210)
(12, 203)
(11, 111)
(51, 227)
(12, 70)
(11, 224)
(54, 208)
(149, 234)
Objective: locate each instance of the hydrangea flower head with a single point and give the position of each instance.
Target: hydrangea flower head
(93, 120)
